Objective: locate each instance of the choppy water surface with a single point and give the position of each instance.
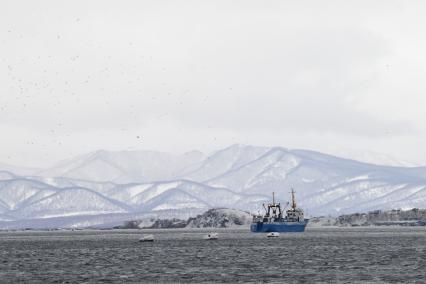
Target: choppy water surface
(318, 255)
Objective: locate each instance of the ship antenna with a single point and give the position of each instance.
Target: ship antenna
(273, 198)
(293, 200)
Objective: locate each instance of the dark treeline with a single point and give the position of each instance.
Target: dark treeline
(414, 217)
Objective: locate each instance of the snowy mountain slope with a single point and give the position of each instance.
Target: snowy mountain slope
(407, 198)
(211, 196)
(325, 184)
(125, 166)
(127, 193)
(69, 202)
(203, 193)
(280, 167)
(62, 182)
(142, 196)
(18, 193)
(175, 198)
(345, 199)
(225, 160)
(24, 198)
(271, 166)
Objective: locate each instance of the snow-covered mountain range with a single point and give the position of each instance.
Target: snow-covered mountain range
(106, 187)
(125, 166)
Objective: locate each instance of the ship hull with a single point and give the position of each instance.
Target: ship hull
(282, 227)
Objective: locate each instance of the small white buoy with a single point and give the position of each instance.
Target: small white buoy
(273, 235)
(147, 238)
(211, 236)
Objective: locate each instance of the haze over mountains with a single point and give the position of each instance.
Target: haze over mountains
(107, 187)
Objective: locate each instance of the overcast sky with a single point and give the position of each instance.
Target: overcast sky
(76, 76)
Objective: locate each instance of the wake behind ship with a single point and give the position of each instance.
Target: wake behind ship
(274, 221)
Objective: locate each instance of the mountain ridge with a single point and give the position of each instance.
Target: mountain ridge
(238, 176)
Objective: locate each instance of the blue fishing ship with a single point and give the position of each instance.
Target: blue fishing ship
(275, 221)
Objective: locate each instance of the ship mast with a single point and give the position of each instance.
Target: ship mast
(293, 200)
